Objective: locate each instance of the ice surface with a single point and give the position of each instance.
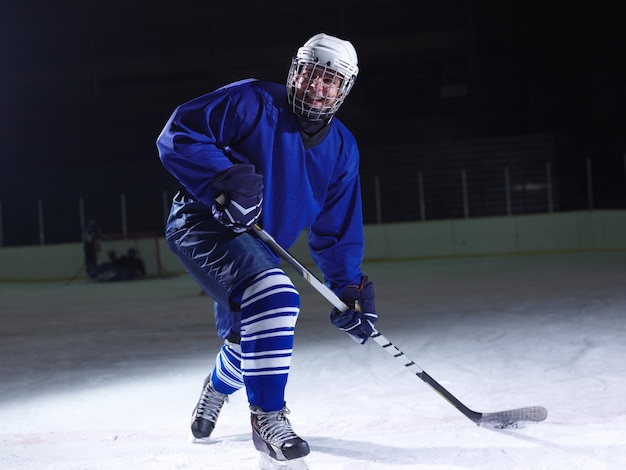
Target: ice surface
(105, 376)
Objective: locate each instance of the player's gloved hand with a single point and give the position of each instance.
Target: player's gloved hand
(241, 197)
(358, 321)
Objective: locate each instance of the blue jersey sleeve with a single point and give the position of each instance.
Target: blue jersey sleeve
(336, 238)
(193, 146)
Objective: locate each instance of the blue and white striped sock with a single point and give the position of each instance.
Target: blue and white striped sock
(227, 376)
(269, 309)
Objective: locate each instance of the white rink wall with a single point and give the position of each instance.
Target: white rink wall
(601, 230)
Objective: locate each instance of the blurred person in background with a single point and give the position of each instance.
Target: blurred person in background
(91, 247)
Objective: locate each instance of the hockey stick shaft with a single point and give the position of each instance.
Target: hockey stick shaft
(387, 345)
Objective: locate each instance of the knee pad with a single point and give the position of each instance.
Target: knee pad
(270, 301)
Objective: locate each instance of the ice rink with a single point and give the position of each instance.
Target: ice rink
(105, 376)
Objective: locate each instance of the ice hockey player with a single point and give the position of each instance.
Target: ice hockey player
(254, 152)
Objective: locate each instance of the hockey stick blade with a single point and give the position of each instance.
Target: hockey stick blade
(510, 418)
(500, 419)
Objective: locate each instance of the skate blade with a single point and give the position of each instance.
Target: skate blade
(268, 463)
(200, 440)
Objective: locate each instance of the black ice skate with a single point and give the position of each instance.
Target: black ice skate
(206, 411)
(272, 434)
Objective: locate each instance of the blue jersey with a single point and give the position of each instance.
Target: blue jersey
(316, 189)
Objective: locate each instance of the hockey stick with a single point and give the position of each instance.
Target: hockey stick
(498, 419)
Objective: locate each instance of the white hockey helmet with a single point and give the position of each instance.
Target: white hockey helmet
(331, 54)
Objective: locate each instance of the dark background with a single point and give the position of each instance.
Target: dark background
(445, 87)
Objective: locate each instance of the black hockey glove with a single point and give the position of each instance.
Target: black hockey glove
(358, 321)
(241, 197)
